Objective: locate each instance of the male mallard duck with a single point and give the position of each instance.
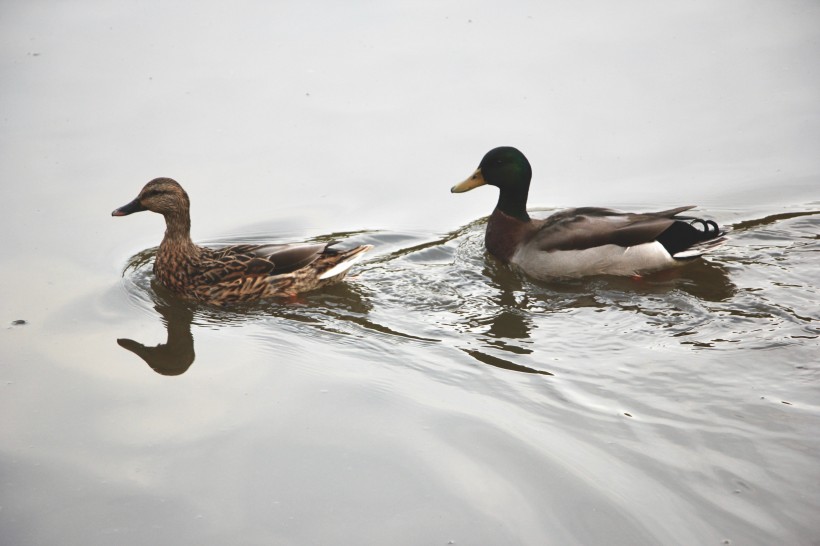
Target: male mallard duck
(236, 273)
(582, 241)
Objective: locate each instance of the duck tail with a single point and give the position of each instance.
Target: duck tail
(344, 260)
(686, 240)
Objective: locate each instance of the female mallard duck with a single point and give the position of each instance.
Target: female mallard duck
(238, 273)
(583, 241)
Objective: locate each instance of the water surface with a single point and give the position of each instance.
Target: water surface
(437, 396)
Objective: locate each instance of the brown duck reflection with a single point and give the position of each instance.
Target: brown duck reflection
(321, 310)
(176, 355)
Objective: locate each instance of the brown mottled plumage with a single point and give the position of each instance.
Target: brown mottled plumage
(237, 273)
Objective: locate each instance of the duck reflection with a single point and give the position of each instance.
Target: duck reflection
(510, 322)
(448, 282)
(508, 330)
(508, 325)
(176, 355)
(323, 310)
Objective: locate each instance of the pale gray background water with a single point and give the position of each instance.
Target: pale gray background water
(438, 397)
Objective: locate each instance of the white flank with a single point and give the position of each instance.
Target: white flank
(683, 254)
(601, 260)
(341, 267)
(700, 249)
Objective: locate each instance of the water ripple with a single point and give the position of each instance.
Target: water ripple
(758, 293)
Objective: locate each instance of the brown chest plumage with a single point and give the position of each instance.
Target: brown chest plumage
(174, 271)
(504, 234)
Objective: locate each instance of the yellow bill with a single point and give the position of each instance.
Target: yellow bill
(476, 180)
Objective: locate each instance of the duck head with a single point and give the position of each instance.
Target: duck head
(161, 195)
(507, 169)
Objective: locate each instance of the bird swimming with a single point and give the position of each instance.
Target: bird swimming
(237, 273)
(582, 241)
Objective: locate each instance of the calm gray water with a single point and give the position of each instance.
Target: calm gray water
(437, 397)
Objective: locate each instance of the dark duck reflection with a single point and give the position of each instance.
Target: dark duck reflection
(508, 329)
(176, 355)
(512, 321)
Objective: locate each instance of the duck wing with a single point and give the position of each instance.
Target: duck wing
(588, 227)
(234, 262)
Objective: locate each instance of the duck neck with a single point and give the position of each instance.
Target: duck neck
(504, 234)
(177, 238)
(514, 203)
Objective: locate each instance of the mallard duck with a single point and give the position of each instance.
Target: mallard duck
(237, 273)
(582, 241)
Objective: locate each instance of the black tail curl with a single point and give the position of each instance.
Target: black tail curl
(710, 228)
(682, 235)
